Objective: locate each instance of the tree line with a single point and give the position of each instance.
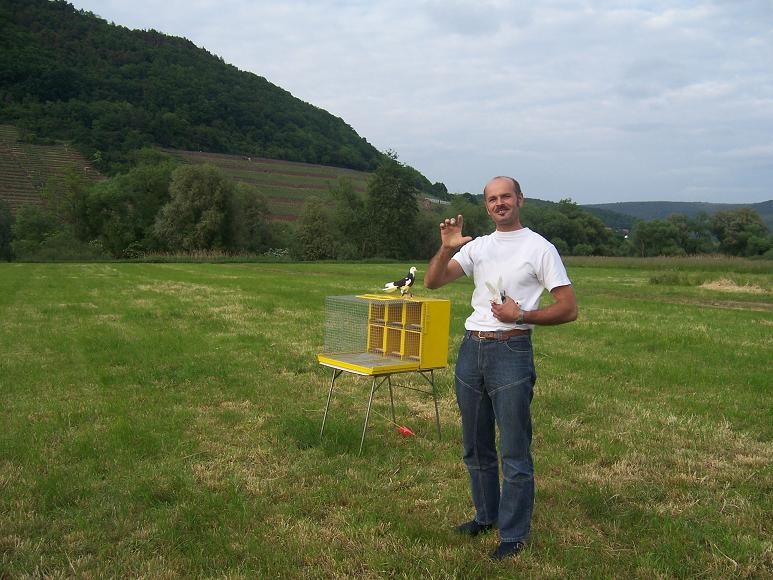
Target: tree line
(159, 206)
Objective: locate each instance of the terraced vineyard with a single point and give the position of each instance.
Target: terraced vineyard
(285, 184)
(25, 168)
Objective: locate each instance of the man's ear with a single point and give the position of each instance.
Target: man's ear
(519, 199)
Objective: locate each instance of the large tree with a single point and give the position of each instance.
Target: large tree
(66, 197)
(741, 232)
(250, 221)
(656, 238)
(694, 234)
(349, 220)
(122, 210)
(197, 216)
(316, 238)
(392, 210)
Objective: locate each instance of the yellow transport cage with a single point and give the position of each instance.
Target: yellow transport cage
(373, 334)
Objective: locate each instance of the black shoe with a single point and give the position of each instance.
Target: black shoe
(507, 550)
(473, 528)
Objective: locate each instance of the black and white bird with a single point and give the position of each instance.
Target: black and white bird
(404, 284)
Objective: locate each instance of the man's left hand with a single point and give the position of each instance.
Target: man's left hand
(508, 311)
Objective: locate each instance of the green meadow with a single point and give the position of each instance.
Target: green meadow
(162, 420)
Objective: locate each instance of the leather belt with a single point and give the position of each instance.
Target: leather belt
(498, 334)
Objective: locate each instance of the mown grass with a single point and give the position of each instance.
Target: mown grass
(162, 420)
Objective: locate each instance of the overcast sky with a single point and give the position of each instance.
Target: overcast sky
(598, 101)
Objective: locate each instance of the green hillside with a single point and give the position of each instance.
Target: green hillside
(66, 74)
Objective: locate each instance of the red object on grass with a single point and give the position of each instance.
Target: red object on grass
(405, 432)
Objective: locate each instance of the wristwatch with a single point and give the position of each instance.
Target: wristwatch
(520, 319)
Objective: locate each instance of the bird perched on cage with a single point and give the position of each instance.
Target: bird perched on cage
(404, 284)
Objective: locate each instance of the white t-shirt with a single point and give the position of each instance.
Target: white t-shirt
(525, 262)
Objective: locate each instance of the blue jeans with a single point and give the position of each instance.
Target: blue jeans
(494, 386)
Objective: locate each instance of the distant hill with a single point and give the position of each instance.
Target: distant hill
(66, 74)
(623, 214)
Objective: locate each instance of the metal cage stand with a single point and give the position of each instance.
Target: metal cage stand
(377, 383)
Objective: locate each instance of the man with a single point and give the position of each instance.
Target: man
(495, 373)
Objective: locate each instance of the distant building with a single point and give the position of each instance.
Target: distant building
(430, 202)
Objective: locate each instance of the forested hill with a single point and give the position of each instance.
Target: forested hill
(68, 74)
(624, 214)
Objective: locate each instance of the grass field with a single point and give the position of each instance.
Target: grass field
(162, 420)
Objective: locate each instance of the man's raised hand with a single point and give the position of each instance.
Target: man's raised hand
(451, 233)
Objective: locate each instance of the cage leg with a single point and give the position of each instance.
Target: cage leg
(431, 381)
(391, 398)
(336, 374)
(434, 397)
(367, 414)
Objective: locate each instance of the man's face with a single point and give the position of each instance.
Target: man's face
(503, 204)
